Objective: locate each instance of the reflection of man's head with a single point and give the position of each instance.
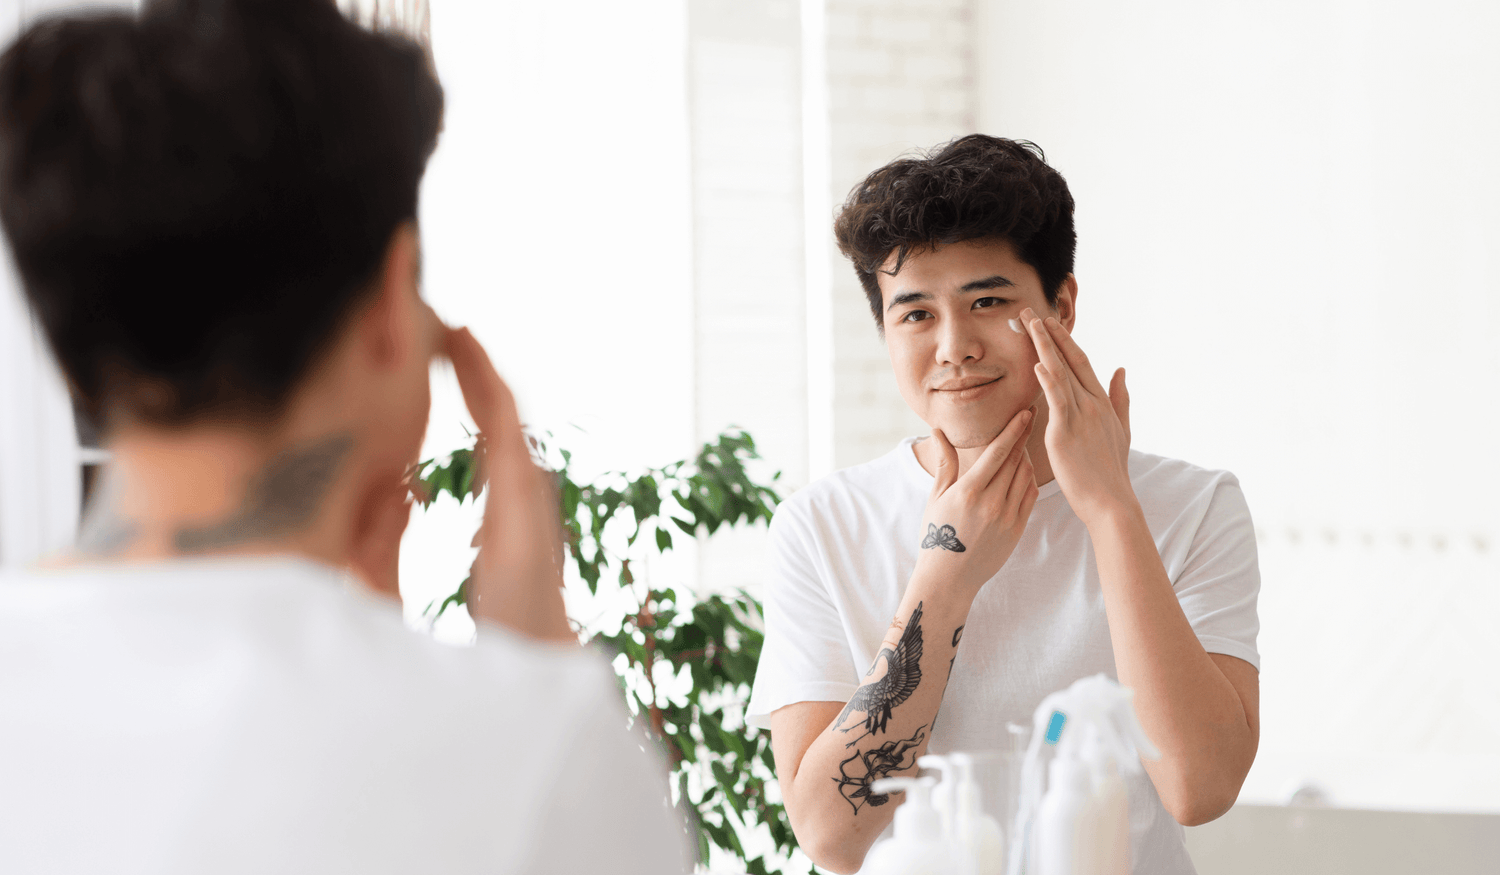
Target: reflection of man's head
(201, 199)
(949, 247)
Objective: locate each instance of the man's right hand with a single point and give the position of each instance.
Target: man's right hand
(517, 578)
(973, 522)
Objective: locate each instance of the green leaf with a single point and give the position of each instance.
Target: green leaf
(715, 496)
(711, 644)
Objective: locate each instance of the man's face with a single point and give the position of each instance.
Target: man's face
(958, 363)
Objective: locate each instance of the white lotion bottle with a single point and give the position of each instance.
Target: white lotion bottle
(1063, 838)
(917, 845)
(942, 792)
(978, 839)
(1111, 809)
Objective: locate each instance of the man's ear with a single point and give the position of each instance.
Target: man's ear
(1067, 303)
(387, 330)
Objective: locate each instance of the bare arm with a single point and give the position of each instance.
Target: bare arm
(829, 753)
(1202, 710)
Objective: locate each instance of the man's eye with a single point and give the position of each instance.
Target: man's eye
(988, 302)
(916, 316)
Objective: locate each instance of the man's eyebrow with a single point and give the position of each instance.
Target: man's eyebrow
(992, 282)
(907, 298)
(989, 282)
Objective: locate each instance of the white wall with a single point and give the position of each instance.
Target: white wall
(899, 77)
(1288, 224)
(555, 223)
(749, 294)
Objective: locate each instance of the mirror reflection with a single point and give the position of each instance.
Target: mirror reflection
(949, 407)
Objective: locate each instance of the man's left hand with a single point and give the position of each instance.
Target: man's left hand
(1088, 429)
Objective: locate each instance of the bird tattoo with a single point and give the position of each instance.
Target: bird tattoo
(903, 672)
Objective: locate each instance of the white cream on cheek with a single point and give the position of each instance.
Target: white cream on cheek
(1015, 325)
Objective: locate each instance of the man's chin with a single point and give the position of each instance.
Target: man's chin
(968, 438)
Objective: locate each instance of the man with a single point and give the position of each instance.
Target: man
(212, 208)
(1021, 547)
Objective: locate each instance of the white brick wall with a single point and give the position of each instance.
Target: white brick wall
(900, 76)
(748, 274)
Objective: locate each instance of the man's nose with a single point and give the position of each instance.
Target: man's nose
(958, 343)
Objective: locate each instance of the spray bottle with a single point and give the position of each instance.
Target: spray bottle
(917, 845)
(1081, 827)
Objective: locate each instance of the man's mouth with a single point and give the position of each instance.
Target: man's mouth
(967, 388)
(961, 384)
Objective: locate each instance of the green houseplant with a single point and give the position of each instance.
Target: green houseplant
(685, 663)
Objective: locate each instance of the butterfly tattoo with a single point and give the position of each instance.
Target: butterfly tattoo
(943, 537)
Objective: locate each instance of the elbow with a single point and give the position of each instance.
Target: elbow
(1199, 812)
(1201, 792)
(827, 852)
(831, 857)
(1195, 806)
(829, 848)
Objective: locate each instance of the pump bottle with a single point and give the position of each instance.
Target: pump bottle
(976, 835)
(917, 845)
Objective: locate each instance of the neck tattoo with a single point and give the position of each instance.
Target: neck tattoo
(283, 497)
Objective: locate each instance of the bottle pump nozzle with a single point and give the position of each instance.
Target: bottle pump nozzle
(915, 820)
(944, 793)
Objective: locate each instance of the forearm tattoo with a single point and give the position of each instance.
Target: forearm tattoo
(864, 768)
(283, 498)
(903, 672)
(944, 537)
(958, 634)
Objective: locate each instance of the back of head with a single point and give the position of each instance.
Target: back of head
(971, 188)
(198, 197)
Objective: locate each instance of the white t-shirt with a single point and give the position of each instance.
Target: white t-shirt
(844, 548)
(258, 716)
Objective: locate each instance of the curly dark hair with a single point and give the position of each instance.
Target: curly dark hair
(970, 188)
